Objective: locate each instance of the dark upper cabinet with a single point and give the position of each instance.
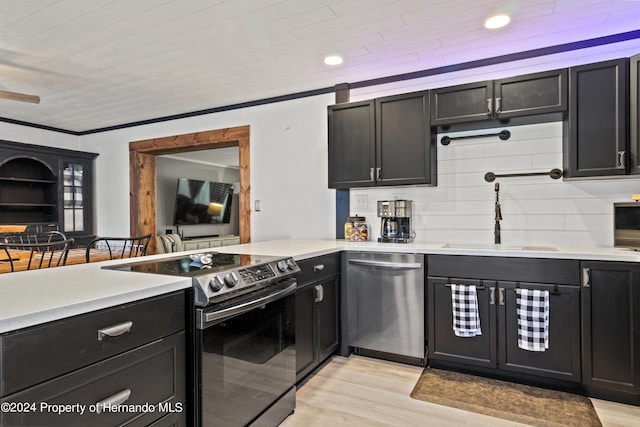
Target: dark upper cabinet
(386, 141)
(352, 153)
(610, 326)
(596, 130)
(634, 114)
(530, 94)
(404, 152)
(463, 103)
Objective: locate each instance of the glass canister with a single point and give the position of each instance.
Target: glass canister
(356, 229)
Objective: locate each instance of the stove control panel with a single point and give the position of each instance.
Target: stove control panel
(227, 284)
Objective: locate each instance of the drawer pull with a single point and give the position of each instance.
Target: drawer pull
(115, 400)
(115, 330)
(318, 267)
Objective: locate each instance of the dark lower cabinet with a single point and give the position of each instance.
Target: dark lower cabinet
(122, 365)
(611, 327)
(497, 347)
(596, 130)
(317, 313)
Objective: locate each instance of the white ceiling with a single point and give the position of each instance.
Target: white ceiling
(103, 63)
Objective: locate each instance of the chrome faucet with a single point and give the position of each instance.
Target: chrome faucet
(496, 231)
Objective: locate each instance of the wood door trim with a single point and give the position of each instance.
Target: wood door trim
(142, 174)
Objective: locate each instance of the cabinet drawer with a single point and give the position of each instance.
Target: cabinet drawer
(318, 268)
(43, 352)
(151, 377)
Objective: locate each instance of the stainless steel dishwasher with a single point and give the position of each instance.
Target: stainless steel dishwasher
(385, 305)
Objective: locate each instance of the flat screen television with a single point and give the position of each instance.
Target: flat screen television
(202, 202)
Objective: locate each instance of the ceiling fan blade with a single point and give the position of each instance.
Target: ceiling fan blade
(14, 96)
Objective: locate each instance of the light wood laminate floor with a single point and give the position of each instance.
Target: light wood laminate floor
(361, 391)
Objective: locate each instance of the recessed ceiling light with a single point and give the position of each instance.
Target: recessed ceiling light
(333, 60)
(497, 21)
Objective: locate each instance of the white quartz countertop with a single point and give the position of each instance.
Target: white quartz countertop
(303, 249)
(33, 297)
(29, 298)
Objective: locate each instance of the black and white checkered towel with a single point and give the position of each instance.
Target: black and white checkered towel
(532, 308)
(466, 318)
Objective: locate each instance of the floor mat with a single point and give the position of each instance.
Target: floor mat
(506, 400)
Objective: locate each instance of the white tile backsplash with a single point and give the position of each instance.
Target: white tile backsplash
(536, 210)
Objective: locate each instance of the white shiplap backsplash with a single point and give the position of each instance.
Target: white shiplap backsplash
(536, 210)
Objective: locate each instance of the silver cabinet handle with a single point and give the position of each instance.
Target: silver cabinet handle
(318, 267)
(586, 277)
(319, 293)
(498, 106)
(384, 264)
(621, 155)
(378, 173)
(492, 296)
(501, 296)
(115, 400)
(489, 109)
(371, 174)
(115, 330)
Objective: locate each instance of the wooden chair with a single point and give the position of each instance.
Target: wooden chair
(119, 247)
(35, 255)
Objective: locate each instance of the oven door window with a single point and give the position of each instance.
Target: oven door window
(248, 362)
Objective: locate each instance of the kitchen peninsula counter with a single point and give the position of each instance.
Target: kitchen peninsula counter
(34, 297)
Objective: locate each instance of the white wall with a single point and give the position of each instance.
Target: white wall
(289, 170)
(288, 167)
(536, 210)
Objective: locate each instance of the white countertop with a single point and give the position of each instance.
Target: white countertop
(302, 249)
(34, 297)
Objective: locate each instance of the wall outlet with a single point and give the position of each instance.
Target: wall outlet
(362, 202)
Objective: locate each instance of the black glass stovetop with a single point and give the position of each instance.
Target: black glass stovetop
(195, 264)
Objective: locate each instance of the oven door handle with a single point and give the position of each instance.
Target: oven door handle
(248, 306)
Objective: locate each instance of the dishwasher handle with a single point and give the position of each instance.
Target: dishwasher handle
(387, 265)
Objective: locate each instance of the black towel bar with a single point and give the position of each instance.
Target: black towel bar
(503, 135)
(478, 288)
(554, 174)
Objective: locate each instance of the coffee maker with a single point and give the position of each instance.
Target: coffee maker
(395, 221)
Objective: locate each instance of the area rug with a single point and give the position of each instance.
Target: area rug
(501, 399)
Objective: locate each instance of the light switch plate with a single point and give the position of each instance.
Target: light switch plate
(362, 201)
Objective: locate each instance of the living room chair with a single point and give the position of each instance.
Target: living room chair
(167, 243)
(119, 247)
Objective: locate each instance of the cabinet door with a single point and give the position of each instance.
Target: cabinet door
(351, 145)
(327, 306)
(562, 359)
(152, 374)
(404, 152)
(443, 343)
(305, 331)
(537, 93)
(463, 103)
(610, 331)
(634, 114)
(597, 123)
